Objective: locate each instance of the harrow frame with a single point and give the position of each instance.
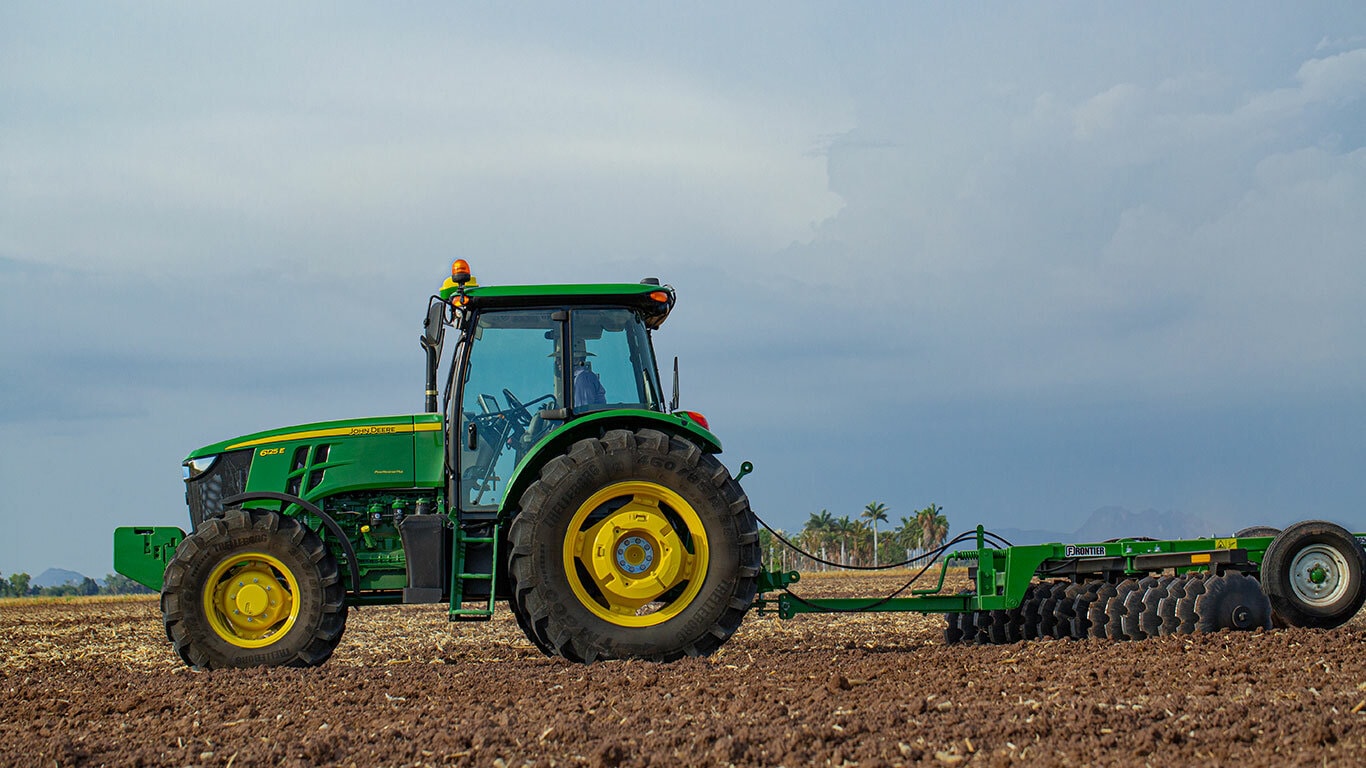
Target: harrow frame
(1003, 575)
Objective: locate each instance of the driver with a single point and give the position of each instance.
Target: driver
(587, 386)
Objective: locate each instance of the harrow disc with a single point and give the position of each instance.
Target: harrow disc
(1232, 601)
(1169, 621)
(1133, 608)
(1116, 611)
(1150, 621)
(1048, 616)
(1096, 612)
(953, 629)
(1185, 608)
(1031, 611)
(1065, 612)
(1081, 609)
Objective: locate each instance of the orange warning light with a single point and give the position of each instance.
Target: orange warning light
(460, 272)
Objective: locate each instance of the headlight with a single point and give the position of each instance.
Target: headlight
(195, 467)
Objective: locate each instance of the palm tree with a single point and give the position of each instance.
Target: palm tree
(934, 526)
(876, 511)
(843, 526)
(908, 535)
(926, 518)
(817, 531)
(939, 529)
(863, 542)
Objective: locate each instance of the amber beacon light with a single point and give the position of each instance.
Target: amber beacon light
(460, 272)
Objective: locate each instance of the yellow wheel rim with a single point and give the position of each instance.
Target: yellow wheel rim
(635, 554)
(251, 600)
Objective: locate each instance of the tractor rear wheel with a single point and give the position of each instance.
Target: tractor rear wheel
(1312, 573)
(635, 545)
(253, 589)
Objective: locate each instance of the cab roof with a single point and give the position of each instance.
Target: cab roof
(655, 301)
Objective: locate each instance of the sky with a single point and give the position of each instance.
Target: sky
(1019, 261)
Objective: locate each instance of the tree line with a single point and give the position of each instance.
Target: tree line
(19, 585)
(847, 540)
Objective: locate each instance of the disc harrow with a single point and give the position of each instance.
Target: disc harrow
(1154, 606)
(1308, 575)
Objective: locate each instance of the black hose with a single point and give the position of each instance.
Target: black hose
(931, 555)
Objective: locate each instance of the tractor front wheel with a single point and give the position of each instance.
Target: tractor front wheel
(253, 589)
(637, 545)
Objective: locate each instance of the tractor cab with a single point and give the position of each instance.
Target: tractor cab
(530, 360)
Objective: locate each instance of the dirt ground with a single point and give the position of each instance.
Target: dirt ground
(94, 682)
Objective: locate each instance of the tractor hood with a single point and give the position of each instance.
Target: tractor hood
(364, 427)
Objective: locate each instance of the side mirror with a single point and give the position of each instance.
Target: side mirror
(434, 327)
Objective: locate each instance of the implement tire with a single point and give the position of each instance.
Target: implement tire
(1312, 573)
(635, 545)
(253, 589)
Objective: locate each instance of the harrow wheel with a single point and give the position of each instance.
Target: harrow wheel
(633, 545)
(253, 589)
(1312, 573)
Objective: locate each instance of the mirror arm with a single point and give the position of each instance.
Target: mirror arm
(673, 403)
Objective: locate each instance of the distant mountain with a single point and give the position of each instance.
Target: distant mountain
(1112, 522)
(1115, 522)
(55, 577)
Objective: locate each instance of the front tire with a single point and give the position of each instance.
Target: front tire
(253, 589)
(636, 545)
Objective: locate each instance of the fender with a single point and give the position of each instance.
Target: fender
(312, 509)
(595, 425)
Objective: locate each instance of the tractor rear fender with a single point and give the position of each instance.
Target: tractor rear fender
(596, 425)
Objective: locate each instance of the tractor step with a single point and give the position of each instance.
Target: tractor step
(480, 610)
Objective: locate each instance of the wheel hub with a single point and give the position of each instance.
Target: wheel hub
(627, 565)
(635, 555)
(250, 602)
(252, 599)
(1319, 574)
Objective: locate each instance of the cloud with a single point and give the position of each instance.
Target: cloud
(223, 162)
(1134, 241)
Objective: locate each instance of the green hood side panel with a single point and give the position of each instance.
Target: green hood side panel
(558, 442)
(315, 460)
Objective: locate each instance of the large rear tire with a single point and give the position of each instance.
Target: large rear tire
(253, 589)
(1312, 573)
(636, 545)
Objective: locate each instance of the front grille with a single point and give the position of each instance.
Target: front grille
(226, 478)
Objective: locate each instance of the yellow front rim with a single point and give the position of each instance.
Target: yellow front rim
(251, 599)
(635, 554)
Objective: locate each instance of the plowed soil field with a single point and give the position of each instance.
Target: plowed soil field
(95, 682)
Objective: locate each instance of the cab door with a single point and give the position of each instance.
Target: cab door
(511, 376)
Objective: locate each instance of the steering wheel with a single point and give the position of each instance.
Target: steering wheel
(519, 411)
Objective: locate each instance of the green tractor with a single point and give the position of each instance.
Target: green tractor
(549, 471)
